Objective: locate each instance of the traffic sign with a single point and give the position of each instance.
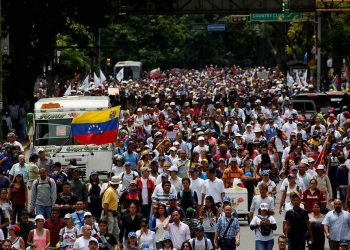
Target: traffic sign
(216, 27)
(275, 17)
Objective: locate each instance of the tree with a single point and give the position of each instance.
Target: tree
(33, 26)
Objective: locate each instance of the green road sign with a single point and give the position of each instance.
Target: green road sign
(275, 17)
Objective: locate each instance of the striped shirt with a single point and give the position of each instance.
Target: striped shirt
(161, 197)
(222, 224)
(55, 228)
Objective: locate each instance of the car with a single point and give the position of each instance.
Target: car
(331, 100)
(307, 105)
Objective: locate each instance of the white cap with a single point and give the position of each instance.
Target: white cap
(173, 149)
(172, 104)
(201, 138)
(41, 149)
(139, 109)
(87, 214)
(264, 206)
(39, 217)
(173, 168)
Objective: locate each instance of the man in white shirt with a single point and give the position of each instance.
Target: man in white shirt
(174, 179)
(290, 126)
(213, 187)
(298, 180)
(300, 130)
(82, 243)
(196, 183)
(200, 242)
(290, 111)
(201, 145)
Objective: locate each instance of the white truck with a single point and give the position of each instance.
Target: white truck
(50, 128)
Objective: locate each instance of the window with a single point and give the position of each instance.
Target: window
(309, 106)
(53, 132)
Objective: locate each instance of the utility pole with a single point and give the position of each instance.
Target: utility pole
(319, 63)
(1, 96)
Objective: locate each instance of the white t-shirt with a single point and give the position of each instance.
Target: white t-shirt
(82, 244)
(213, 188)
(200, 244)
(144, 192)
(148, 238)
(255, 221)
(67, 235)
(198, 149)
(196, 185)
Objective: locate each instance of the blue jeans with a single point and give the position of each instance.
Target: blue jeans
(229, 245)
(16, 213)
(22, 131)
(296, 241)
(342, 194)
(43, 210)
(264, 245)
(209, 236)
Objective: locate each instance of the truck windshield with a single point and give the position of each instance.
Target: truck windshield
(53, 132)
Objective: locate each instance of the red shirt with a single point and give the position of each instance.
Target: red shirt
(217, 157)
(162, 125)
(54, 229)
(308, 198)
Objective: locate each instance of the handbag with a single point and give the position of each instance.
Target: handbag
(220, 240)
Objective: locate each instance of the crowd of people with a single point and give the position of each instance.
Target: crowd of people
(183, 140)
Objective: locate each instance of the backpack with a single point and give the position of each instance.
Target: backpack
(65, 231)
(286, 187)
(134, 176)
(94, 191)
(37, 182)
(192, 223)
(192, 199)
(105, 243)
(264, 229)
(194, 243)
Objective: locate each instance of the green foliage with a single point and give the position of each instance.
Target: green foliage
(170, 41)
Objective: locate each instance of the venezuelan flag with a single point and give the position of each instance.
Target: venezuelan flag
(96, 127)
(337, 83)
(155, 73)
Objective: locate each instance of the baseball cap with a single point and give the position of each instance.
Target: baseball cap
(291, 117)
(87, 214)
(291, 175)
(167, 237)
(294, 168)
(201, 138)
(128, 163)
(266, 172)
(68, 216)
(92, 239)
(226, 199)
(199, 227)
(93, 172)
(41, 150)
(192, 170)
(165, 175)
(161, 158)
(172, 197)
(310, 159)
(173, 169)
(131, 234)
(305, 161)
(14, 228)
(61, 245)
(233, 159)
(222, 159)
(263, 206)
(173, 149)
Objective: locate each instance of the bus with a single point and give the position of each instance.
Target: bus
(132, 70)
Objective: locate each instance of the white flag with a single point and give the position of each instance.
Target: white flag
(297, 79)
(305, 78)
(289, 80)
(96, 80)
(120, 75)
(102, 77)
(85, 83)
(68, 91)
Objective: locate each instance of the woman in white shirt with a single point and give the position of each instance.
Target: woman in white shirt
(146, 236)
(248, 135)
(264, 225)
(158, 223)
